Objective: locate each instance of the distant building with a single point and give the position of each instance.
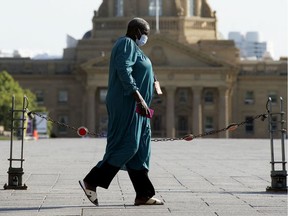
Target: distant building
(250, 45)
(205, 85)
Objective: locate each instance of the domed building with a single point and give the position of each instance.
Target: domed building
(205, 85)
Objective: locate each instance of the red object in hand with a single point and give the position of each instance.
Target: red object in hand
(232, 127)
(138, 110)
(82, 131)
(188, 137)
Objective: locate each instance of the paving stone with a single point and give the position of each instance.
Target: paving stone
(217, 177)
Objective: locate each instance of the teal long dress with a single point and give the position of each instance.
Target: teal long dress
(129, 134)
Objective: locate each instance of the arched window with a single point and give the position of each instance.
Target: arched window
(157, 122)
(102, 95)
(183, 124)
(273, 96)
(63, 96)
(63, 119)
(249, 126)
(209, 123)
(152, 7)
(183, 95)
(119, 8)
(208, 97)
(249, 97)
(191, 7)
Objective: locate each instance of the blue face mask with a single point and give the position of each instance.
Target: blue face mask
(142, 41)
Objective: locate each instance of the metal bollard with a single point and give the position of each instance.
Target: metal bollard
(15, 173)
(278, 177)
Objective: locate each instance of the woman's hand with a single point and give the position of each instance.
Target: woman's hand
(143, 109)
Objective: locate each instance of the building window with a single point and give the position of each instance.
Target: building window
(182, 125)
(119, 8)
(182, 95)
(39, 97)
(156, 126)
(249, 97)
(191, 7)
(102, 95)
(156, 123)
(103, 124)
(63, 119)
(273, 96)
(209, 123)
(249, 126)
(152, 7)
(209, 97)
(63, 96)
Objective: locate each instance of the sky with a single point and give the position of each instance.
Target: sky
(35, 26)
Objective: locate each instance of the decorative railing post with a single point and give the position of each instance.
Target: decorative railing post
(15, 173)
(278, 176)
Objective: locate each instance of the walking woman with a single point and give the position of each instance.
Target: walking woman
(130, 91)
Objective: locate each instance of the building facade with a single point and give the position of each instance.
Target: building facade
(205, 85)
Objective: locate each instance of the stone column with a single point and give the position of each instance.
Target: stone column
(170, 111)
(91, 108)
(197, 110)
(223, 120)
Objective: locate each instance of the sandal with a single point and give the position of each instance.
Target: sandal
(151, 201)
(91, 195)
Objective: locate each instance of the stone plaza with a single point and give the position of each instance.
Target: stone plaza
(202, 177)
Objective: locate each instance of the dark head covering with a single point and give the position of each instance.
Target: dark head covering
(135, 25)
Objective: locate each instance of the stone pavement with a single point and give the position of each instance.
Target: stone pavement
(203, 177)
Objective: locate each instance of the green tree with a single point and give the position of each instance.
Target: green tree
(8, 88)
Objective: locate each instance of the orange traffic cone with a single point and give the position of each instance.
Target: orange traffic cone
(35, 135)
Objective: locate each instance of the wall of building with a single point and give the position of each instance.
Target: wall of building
(205, 85)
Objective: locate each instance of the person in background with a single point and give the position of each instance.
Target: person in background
(130, 91)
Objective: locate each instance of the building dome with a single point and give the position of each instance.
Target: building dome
(87, 35)
(185, 21)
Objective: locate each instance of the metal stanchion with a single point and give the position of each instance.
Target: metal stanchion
(278, 177)
(15, 173)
